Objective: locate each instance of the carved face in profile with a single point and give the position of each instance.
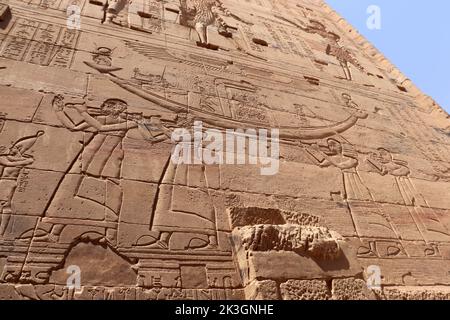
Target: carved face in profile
(14, 151)
(385, 155)
(114, 107)
(334, 146)
(347, 98)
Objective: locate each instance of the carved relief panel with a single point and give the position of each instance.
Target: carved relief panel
(86, 176)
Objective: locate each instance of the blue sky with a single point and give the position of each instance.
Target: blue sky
(414, 35)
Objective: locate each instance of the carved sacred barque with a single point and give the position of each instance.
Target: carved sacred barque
(91, 92)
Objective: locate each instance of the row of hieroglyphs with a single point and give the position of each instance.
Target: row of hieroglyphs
(60, 292)
(39, 43)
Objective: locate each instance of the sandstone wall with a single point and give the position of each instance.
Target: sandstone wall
(86, 178)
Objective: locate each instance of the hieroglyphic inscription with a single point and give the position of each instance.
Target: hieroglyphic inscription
(40, 43)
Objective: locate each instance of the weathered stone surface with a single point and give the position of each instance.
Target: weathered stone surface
(317, 242)
(93, 207)
(262, 290)
(351, 289)
(416, 293)
(305, 290)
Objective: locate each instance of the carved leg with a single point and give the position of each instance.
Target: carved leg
(161, 243)
(109, 17)
(4, 222)
(346, 69)
(212, 242)
(53, 235)
(5, 204)
(111, 236)
(114, 7)
(201, 30)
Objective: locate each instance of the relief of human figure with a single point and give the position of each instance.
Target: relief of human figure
(354, 191)
(347, 161)
(113, 9)
(196, 218)
(199, 14)
(344, 57)
(196, 14)
(102, 159)
(385, 164)
(12, 163)
(334, 48)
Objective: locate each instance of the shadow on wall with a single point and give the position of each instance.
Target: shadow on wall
(5, 16)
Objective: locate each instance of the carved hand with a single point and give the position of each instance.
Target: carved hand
(28, 161)
(58, 102)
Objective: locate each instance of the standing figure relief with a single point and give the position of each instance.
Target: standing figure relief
(335, 154)
(423, 214)
(12, 162)
(113, 8)
(334, 48)
(101, 159)
(199, 14)
(195, 14)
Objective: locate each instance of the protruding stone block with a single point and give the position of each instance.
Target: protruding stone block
(5, 11)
